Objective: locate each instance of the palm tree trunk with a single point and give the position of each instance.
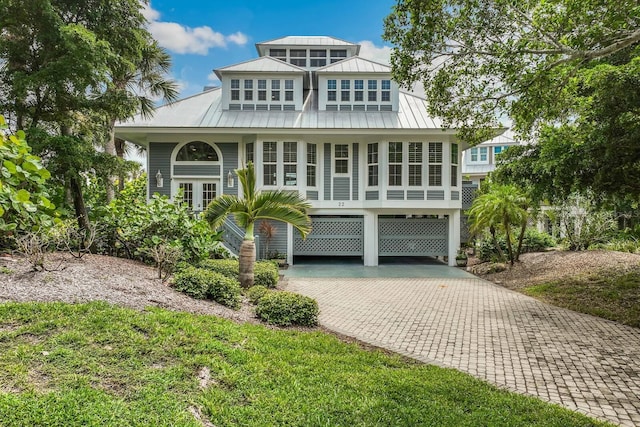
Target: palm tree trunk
(120, 149)
(110, 148)
(247, 259)
(523, 228)
(494, 239)
(509, 245)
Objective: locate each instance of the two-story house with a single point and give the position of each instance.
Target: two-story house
(383, 178)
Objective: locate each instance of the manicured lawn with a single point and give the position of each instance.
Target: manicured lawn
(96, 364)
(611, 294)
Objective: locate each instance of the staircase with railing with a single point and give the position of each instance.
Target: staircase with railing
(233, 236)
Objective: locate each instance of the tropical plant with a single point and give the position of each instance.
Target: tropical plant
(24, 198)
(499, 209)
(279, 205)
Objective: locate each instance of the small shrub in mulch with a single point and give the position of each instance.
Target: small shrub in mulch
(254, 293)
(265, 272)
(287, 309)
(201, 283)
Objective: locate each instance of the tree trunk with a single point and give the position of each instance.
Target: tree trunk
(110, 148)
(120, 146)
(247, 260)
(494, 239)
(78, 202)
(523, 228)
(509, 245)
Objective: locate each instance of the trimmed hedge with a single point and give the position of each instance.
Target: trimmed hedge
(287, 308)
(265, 272)
(254, 293)
(201, 283)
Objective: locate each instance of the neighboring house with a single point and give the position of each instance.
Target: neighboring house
(478, 161)
(383, 178)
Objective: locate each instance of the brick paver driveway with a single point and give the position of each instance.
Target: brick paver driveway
(579, 361)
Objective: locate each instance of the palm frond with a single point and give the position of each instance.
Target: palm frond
(247, 178)
(298, 219)
(289, 198)
(220, 208)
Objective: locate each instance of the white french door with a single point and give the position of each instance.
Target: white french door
(197, 194)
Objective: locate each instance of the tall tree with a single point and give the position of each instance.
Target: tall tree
(483, 59)
(278, 205)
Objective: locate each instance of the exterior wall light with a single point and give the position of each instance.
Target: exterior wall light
(159, 179)
(230, 180)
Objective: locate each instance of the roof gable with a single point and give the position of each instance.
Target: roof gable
(307, 41)
(355, 64)
(261, 65)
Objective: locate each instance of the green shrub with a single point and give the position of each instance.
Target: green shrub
(287, 308)
(254, 293)
(193, 281)
(533, 241)
(200, 283)
(265, 272)
(225, 290)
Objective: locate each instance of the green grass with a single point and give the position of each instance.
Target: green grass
(610, 294)
(96, 364)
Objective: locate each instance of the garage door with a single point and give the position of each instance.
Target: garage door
(413, 236)
(332, 236)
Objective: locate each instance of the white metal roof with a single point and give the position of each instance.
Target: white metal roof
(204, 111)
(307, 41)
(355, 64)
(262, 64)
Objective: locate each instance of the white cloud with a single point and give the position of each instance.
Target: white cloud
(182, 39)
(369, 50)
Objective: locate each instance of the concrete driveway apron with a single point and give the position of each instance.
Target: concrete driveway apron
(443, 315)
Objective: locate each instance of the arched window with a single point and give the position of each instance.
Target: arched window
(197, 151)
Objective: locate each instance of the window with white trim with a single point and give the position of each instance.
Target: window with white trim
(372, 95)
(298, 57)
(262, 90)
(372, 164)
(318, 57)
(288, 90)
(280, 54)
(197, 151)
(248, 90)
(341, 158)
(290, 161)
(395, 163)
(454, 165)
(479, 155)
(270, 163)
(345, 89)
(435, 164)
(275, 90)
(312, 160)
(415, 164)
(331, 90)
(358, 94)
(249, 153)
(235, 89)
(337, 55)
(385, 93)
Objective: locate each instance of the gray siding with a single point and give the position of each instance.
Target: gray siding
(340, 188)
(160, 160)
(395, 195)
(372, 195)
(229, 163)
(415, 195)
(327, 171)
(312, 195)
(278, 242)
(196, 170)
(355, 174)
(435, 194)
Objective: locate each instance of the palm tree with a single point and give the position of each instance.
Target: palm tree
(279, 205)
(141, 83)
(499, 209)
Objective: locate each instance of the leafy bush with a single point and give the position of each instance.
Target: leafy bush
(200, 283)
(533, 241)
(131, 225)
(620, 244)
(193, 281)
(265, 272)
(225, 290)
(287, 308)
(24, 200)
(254, 293)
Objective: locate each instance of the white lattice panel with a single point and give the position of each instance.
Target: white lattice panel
(332, 236)
(413, 236)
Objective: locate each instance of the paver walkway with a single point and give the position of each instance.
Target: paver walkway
(581, 362)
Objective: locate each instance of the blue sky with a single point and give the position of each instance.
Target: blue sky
(203, 35)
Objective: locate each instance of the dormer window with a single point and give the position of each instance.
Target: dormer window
(288, 90)
(385, 94)
(318, 58)
(235, 89)
(298, 57)
(275, 90)
(331, 90)
(338, 55)
(345, 89)
(372, 85)
(280, 54)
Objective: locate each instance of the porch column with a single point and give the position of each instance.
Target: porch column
(370, 239)
(290, 231)
(454, 236)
